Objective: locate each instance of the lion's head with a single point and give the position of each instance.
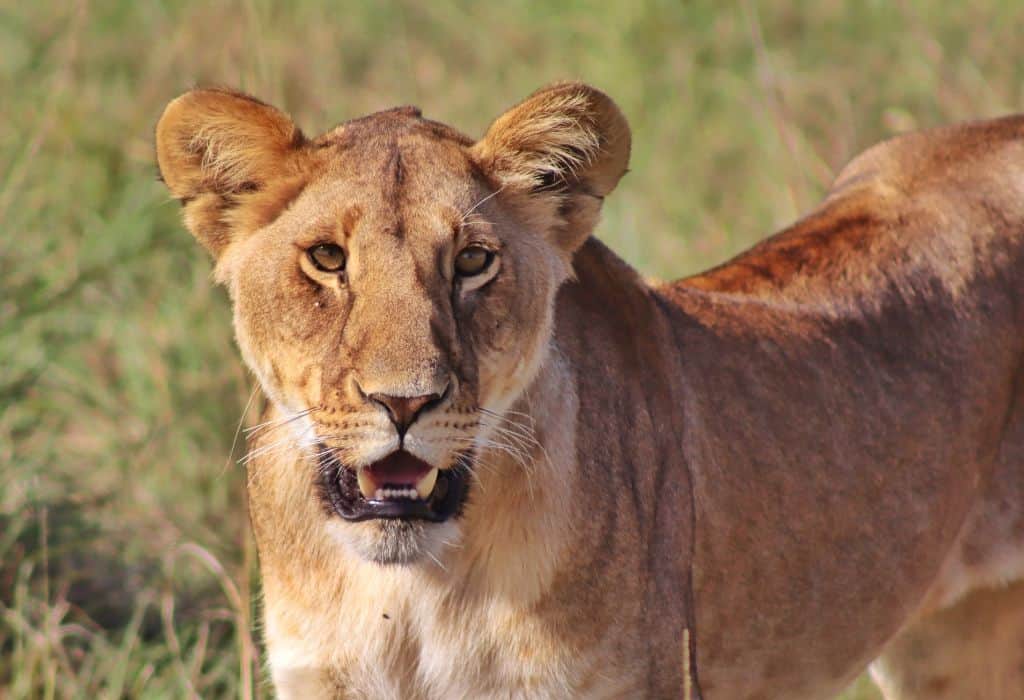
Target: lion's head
(392, 280)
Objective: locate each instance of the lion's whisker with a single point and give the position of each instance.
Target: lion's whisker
(473, 208)
(277, 422)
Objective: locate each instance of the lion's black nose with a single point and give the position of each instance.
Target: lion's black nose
(403, 410)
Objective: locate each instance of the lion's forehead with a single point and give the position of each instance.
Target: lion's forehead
(401, 159)
(411, 197)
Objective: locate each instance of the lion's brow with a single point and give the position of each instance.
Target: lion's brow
(464, 216)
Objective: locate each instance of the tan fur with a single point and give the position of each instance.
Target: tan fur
(788, 461)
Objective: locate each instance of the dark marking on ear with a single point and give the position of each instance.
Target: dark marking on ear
(247, 186)
(550, 181)
(564, 179)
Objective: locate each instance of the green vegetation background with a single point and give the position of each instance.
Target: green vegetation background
(125, 564)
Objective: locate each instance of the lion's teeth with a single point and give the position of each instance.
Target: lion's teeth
(366, 485)
(425, 486)
(389, 494)
(422, 490)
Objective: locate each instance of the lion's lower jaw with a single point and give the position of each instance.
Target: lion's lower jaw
(395, 542)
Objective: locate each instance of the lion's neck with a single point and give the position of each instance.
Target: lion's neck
(514, 529)
(555, 483)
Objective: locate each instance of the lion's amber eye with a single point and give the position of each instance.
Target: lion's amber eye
(327, 257)
(473, 260)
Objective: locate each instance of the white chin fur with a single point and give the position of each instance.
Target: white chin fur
(395, 542)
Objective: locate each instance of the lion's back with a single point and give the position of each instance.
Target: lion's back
(923, 213)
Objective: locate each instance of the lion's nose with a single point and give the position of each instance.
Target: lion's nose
(403, 410)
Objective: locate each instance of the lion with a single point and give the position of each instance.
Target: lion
(495, 462)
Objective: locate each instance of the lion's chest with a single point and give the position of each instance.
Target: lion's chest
(406, 647)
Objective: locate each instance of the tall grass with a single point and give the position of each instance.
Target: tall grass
(126, 568)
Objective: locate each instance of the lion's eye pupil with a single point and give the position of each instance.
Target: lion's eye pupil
(473, 260)
(327, 257)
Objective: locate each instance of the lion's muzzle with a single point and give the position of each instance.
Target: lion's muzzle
(399, 486)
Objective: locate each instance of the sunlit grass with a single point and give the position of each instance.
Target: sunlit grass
(125, 564)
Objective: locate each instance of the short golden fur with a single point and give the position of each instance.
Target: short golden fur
(798, 461)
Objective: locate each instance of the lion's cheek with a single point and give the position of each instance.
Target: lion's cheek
(509, 353)
(284, 332)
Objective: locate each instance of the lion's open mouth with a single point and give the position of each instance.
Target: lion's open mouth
(398, 486)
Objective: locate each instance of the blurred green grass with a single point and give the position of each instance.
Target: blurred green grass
(125, 564)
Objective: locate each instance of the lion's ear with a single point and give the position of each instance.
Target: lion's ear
(566, 146)
(216, 149)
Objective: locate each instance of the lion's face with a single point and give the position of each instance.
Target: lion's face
(393, 284)
(395, 309)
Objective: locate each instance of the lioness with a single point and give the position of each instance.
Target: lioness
(497, 463)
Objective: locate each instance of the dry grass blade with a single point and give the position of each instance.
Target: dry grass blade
(248, 658)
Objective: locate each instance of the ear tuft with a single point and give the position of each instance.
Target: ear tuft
(568, 140)
(567, 133)
(215, 146)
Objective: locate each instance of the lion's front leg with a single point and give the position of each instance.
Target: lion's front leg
(973, 650)
(303, 683)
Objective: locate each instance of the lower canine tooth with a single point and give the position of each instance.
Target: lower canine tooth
(366, 485)
(425, 486)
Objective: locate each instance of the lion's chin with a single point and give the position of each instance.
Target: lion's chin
(394, 526)
(395, 542)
